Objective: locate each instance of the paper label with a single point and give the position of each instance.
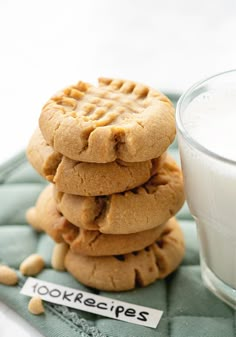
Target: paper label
(96, 304)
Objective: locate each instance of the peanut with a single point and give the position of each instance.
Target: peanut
(58, 256)
(32, 265)
(35, 306)
(8, 276)
(31, 217)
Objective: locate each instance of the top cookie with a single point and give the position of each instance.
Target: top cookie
(119, 119)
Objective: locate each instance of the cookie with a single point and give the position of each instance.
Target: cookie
(139, 209)
(82, 241)
(137, 269)
(42, 156)
(87, 179)
(118, 119)
(44, 217)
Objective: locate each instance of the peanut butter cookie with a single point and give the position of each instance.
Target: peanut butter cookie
(87, 179)
(45, 217)
(118, 119)
(125, 272)
(139, 209)
(82, 241)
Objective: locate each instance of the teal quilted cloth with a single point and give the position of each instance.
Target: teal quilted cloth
(190, 310)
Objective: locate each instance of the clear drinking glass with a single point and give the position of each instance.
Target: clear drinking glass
(206, 130)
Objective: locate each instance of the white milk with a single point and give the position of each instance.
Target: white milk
(210, 183)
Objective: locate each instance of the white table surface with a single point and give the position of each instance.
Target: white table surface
(46, 45)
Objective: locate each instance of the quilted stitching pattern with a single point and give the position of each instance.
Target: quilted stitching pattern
(189, 308)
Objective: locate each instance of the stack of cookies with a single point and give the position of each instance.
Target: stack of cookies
(114, 190)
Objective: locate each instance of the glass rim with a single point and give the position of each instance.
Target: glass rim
(181, 128)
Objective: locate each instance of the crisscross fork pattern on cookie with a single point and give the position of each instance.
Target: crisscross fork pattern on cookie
(103, 105)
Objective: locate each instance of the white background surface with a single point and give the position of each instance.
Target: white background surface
(46, 45)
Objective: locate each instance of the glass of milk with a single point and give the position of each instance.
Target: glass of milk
(206, 129)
